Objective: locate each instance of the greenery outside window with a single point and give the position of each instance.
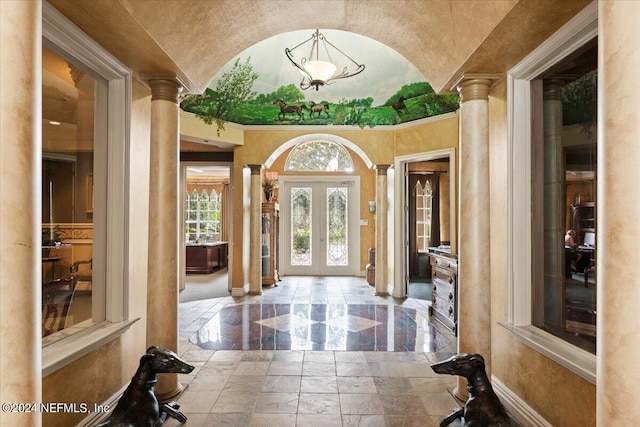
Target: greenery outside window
(423, 216)
(203, 216)
(319, 156)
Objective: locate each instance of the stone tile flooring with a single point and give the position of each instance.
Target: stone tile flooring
(314, 351)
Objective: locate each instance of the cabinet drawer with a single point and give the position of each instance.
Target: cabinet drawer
(445, 292)
(444, 307)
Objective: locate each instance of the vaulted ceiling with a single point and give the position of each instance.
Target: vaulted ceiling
(444, 39)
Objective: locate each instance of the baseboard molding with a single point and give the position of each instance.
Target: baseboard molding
(517, 407)
(240, 292)
(98, 417)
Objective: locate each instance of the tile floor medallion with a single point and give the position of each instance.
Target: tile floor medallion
(313, 351)
(346, 327)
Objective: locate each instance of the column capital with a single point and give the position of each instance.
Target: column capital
(475, 86)
(164, 87)
(382, 169)
(255, 169)
(552, 89)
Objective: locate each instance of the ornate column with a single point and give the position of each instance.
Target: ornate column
(618, 212)
(255, 215)
(382, 258)
(474, 290)
(164, 239)
(21, 189)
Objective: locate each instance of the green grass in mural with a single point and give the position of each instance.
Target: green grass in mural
(411, 102)
(339, 114)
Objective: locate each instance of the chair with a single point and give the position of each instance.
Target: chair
(55, 293)
(82, 277)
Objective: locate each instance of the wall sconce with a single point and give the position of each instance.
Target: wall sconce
(372, 206)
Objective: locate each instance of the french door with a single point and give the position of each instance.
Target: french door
(320, 225)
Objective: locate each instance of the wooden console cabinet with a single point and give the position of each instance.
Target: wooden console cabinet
(444, 290)
(206, 258)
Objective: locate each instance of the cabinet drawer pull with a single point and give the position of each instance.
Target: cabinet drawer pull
(450, 280)
(450, 296)
(450, 310)
(435, 288)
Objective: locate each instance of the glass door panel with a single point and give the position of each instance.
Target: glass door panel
(318, 227)
(301, 230)
(337, 227)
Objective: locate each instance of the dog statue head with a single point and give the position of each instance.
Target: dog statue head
(460, 364)
(163, 361)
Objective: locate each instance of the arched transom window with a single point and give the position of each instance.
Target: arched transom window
(319, 156)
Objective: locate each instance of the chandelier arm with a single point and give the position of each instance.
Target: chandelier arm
(344, 74)
(306, 41)
(326, 49)
(347, 56)
(287, 52)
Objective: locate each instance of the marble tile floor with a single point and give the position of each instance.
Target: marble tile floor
(313, 351)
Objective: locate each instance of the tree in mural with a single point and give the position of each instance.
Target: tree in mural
(290, 93)
(233, 89)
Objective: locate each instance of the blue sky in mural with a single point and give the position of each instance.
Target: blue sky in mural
(389, 91)
(385, 72)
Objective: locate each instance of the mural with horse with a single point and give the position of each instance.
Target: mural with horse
(318, 108)
(286, 109)
(412, 102)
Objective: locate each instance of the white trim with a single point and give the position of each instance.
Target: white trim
(400, 223)
(517, 407)
(579, 30)
(111, 135)
(65, 351)
(96, 417)
(353, 184)
(315, 137)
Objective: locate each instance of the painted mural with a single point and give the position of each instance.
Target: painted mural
(261, 87)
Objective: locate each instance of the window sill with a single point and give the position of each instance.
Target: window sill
(65, 351)
(578, 361)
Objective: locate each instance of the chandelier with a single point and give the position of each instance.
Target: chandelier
(316, 70)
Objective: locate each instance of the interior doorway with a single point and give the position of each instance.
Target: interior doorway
(427, 213)
(320, 233)
(206, 222)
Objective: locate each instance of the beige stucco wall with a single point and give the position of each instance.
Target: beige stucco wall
(114, 364)
(379, 145)
(560, 396)
(437, 133)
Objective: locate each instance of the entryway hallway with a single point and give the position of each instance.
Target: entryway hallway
(314, 351)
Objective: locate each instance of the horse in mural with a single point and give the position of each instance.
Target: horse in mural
(399, 106)
(285, 109)
(318, 108)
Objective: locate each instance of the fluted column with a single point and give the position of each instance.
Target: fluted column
(20, 187)
(255, 215)
(382, 257)
(164, 239)
(474, 290)
(618, 208)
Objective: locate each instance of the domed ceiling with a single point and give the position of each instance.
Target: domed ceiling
(389, 91)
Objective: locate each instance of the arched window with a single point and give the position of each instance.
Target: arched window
(423, 215)
(319, 156)
(203, 216)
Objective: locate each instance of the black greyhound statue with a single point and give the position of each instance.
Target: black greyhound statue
(138, 406)
(483, 408)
